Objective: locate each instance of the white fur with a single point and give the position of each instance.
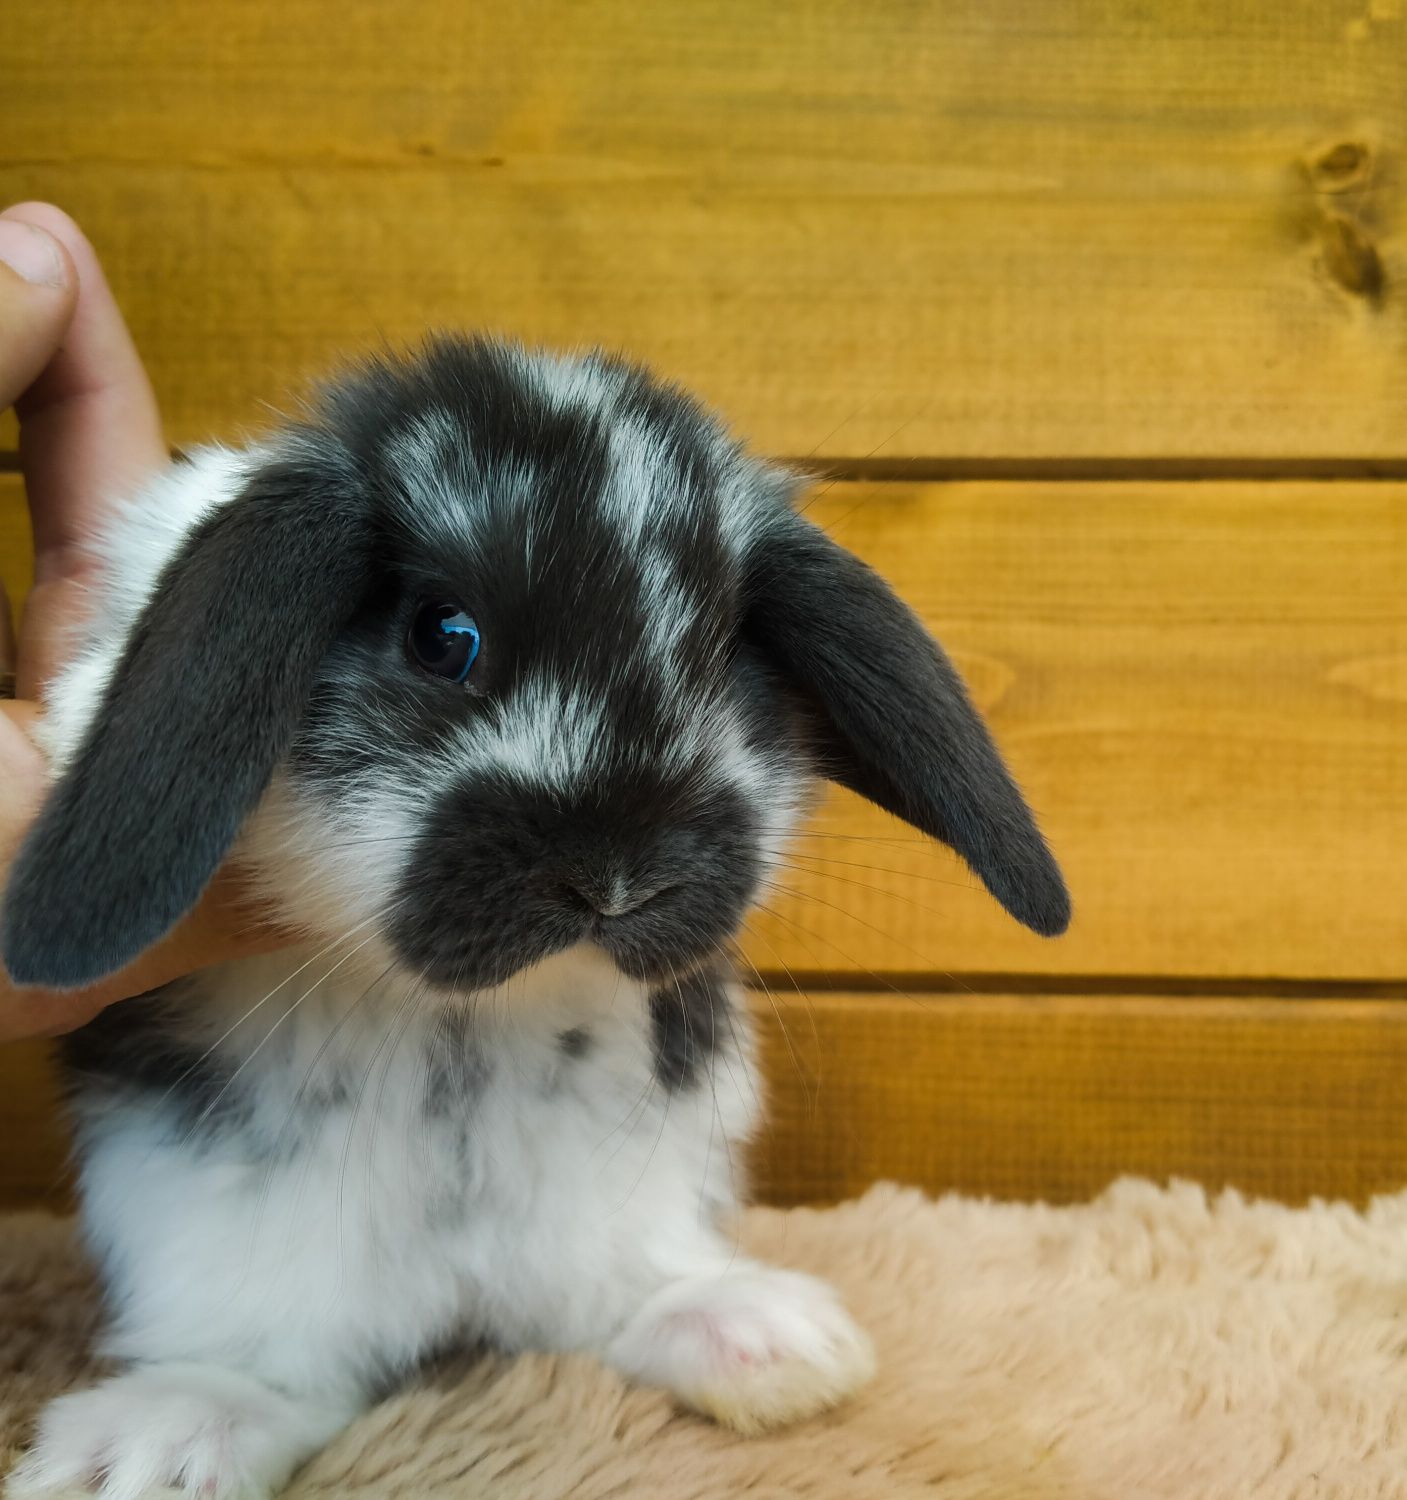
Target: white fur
(572, 382)
(752, 1347)
(200, 1429)
(350, 1245)
(546, 734)
(646, 483)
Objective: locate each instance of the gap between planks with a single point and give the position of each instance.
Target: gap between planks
(865, 469)
(897, 983)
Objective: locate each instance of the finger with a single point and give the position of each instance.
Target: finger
(89, 432)
(38, 290)
(89, 428)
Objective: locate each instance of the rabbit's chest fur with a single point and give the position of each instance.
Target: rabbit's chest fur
(369, 1175)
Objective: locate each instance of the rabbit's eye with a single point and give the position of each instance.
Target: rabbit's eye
(443, 638)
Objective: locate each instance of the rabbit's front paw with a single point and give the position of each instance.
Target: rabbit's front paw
(195, 1429)
(752, 1347)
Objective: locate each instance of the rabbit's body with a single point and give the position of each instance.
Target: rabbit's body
(505, 678)
(389, 1179)
(551, 1169)
(519, 1172)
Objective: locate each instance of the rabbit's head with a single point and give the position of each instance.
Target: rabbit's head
(498, 654)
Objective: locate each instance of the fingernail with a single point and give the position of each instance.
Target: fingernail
(31, 253)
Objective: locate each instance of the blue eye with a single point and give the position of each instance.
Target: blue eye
(443, 638)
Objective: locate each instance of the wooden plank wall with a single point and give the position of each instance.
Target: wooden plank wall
(1089, 318)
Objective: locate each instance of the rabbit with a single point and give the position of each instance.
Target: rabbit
(504, 676)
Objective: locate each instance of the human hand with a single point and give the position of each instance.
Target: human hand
(89, 430)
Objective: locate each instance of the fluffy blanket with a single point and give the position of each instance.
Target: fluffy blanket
(1151, 1343)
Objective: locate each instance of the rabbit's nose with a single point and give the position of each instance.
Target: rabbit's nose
(614, 895)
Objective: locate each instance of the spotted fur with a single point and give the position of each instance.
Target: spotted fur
(501, 1090)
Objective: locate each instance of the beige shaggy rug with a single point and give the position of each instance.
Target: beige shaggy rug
(1151, 1343)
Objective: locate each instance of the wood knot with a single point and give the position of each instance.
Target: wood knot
(1341, 168)
(1352, 259)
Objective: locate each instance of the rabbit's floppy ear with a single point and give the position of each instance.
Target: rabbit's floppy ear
(203, 702)
(894, 720)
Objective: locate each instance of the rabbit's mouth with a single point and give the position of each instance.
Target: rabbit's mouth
(669, 934)
(654, 942)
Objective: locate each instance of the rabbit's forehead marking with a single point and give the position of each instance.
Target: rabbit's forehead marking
(649, 459)
(546, 733)
(620, 535)
(565, 737)
(597, 523)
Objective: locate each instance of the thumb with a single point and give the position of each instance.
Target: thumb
(38, 292)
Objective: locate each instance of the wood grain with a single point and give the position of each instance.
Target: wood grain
(958, 229)
(1019, 1097)
(1053, 1097)
(16, 570)
(1203, 689)
(33, 1136)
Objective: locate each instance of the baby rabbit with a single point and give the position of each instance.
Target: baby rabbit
(506, 677)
